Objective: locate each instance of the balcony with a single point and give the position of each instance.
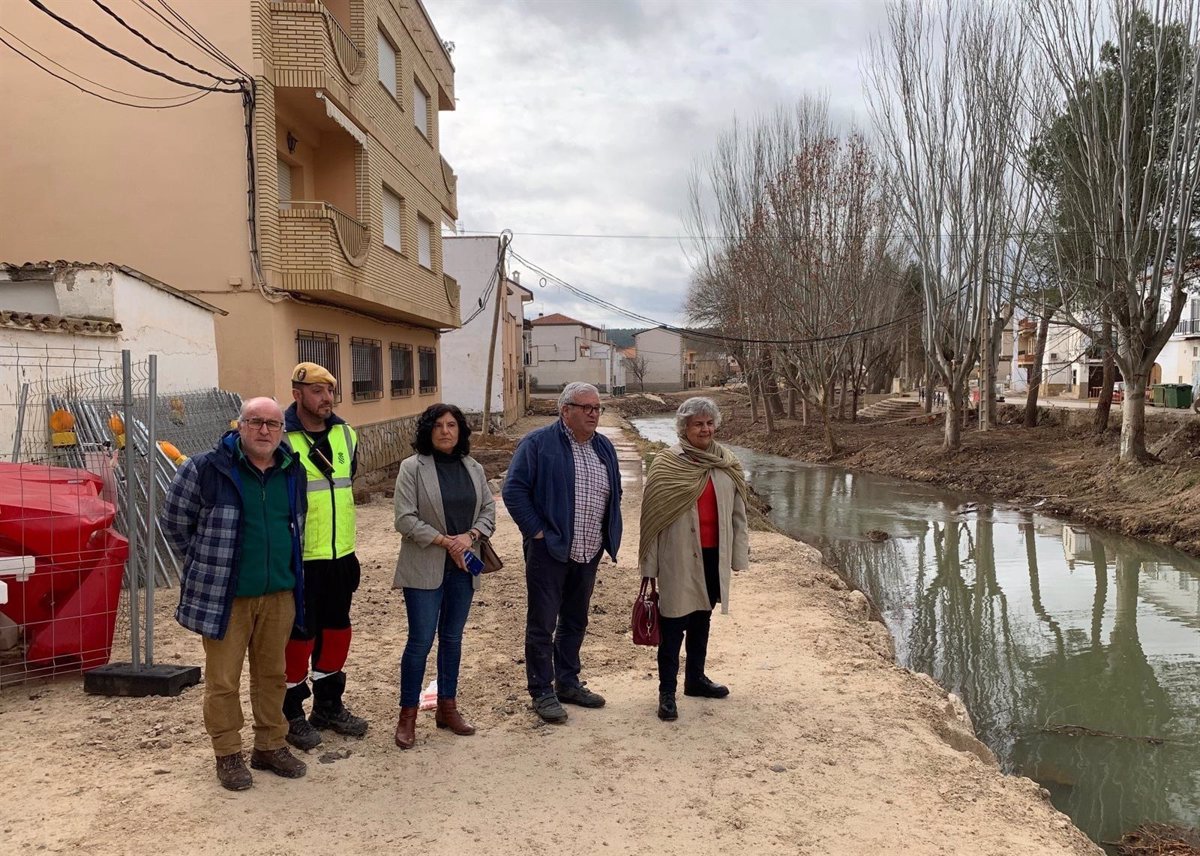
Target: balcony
(313, 49)
(450, 180)
(1024, 360)
(1188, 327)
(453, 293)
(311, 233)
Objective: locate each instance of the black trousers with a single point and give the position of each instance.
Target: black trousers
(559, 598)
(694, 628)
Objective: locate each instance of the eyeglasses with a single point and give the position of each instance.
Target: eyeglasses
(590, 409)
(256, 424)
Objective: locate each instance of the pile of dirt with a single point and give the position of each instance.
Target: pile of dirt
(1182, 444)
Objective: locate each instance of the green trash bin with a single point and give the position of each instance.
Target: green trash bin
(1160, 394)
(1178, 395)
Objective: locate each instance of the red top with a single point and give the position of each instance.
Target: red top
(707, 506)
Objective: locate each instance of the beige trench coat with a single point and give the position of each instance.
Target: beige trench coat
(675, 558)
(420, 519)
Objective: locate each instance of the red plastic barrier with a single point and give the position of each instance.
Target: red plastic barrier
(68, 606)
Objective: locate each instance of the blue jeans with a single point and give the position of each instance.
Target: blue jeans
(442, 610)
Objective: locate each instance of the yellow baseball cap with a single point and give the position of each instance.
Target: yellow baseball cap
(312, 373)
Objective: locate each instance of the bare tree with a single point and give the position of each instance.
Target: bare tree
(1119, 82)
(943, 88)
(637, 366)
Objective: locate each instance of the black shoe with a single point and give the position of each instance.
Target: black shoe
(704, 688)
(302, 735)
(580, 695)
(341, 720)
(232, 772)
(549, 709)
(667, 711)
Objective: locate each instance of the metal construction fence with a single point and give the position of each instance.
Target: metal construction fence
(87, 447)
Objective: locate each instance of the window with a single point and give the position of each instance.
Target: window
(285, 184)
(387, 64)
(366, 360)
(322, 349)
(393, 221)
(425, 242)
(428, 358)
(402, 369)
(420, 108)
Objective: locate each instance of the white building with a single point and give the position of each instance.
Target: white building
(563, 350)
(474, 262)
(63, 318)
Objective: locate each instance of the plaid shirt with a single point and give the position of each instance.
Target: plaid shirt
(591, 499)
(201, 520)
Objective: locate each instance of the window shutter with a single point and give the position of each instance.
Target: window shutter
(387, 64)
(420, 109)
(424, 243)
(391, 221)
(285, 183)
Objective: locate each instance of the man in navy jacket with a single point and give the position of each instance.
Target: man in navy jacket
(563, 489)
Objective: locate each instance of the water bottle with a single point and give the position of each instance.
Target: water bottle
(474, 563)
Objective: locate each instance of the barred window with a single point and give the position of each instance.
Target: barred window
(322, 349)
(402, 369)
(366, 358)
(428, 366)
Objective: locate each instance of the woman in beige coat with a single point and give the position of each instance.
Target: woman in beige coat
(443, 506)
(693, 533)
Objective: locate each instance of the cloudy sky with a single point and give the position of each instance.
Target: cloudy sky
(584, 117)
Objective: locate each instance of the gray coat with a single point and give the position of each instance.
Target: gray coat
(675, 559)
(420, 519)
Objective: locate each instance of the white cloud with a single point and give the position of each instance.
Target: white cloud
(585, 116)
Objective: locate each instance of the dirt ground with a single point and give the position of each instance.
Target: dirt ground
(1060, 467)
(825, 746)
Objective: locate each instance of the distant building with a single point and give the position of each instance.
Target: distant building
(474, 263)
(563, 349)
(677, 361)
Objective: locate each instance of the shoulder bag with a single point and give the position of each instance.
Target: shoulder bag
(487, 554)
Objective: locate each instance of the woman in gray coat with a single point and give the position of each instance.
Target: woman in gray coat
(443, 506)
(693, 533)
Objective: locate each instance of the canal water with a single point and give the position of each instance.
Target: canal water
(1076, 650)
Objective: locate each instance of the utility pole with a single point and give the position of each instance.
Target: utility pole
(501, 291)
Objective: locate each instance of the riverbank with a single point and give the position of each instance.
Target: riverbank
(823, 747)
(1059, 468)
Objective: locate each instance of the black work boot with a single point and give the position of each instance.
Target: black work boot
(328, 710)
(667, 711)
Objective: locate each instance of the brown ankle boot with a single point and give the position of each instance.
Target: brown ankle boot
(406, 727)
(447, 716)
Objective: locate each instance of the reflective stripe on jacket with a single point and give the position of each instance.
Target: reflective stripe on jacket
(329, 527)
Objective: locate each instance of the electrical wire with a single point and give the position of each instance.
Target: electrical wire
(162, 50)
(201, 40)
(190, 99)
(53, 61)
(37, 4)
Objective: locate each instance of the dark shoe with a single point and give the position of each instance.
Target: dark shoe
(341, 720)
(704, 688)
(279, 761)
(667, 711)
(548, 708)
(406, 727)
(580, 695)
(302, 735)
(447, 716)
(232, 772)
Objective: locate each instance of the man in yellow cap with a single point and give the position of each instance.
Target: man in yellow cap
(327, 447)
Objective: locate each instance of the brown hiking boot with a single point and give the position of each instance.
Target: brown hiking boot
(232, 772)
(279, 761)
(447, 716)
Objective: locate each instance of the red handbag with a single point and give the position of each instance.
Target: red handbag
(645, 614)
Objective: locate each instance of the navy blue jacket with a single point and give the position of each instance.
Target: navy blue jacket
(202, 521)
(539, 491)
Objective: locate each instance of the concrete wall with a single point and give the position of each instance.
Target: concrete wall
(663, 352)
(557, 361)
(182, 334)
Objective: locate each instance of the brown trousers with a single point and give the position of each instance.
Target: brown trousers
(260, 626)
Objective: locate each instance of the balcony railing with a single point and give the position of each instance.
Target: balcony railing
(349, 55)
(452, 290)
(353, 237)
(1189, 327)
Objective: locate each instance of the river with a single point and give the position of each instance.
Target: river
(1076, 650)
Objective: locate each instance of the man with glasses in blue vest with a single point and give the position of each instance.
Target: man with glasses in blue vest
(563, 490)
(327, 447)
